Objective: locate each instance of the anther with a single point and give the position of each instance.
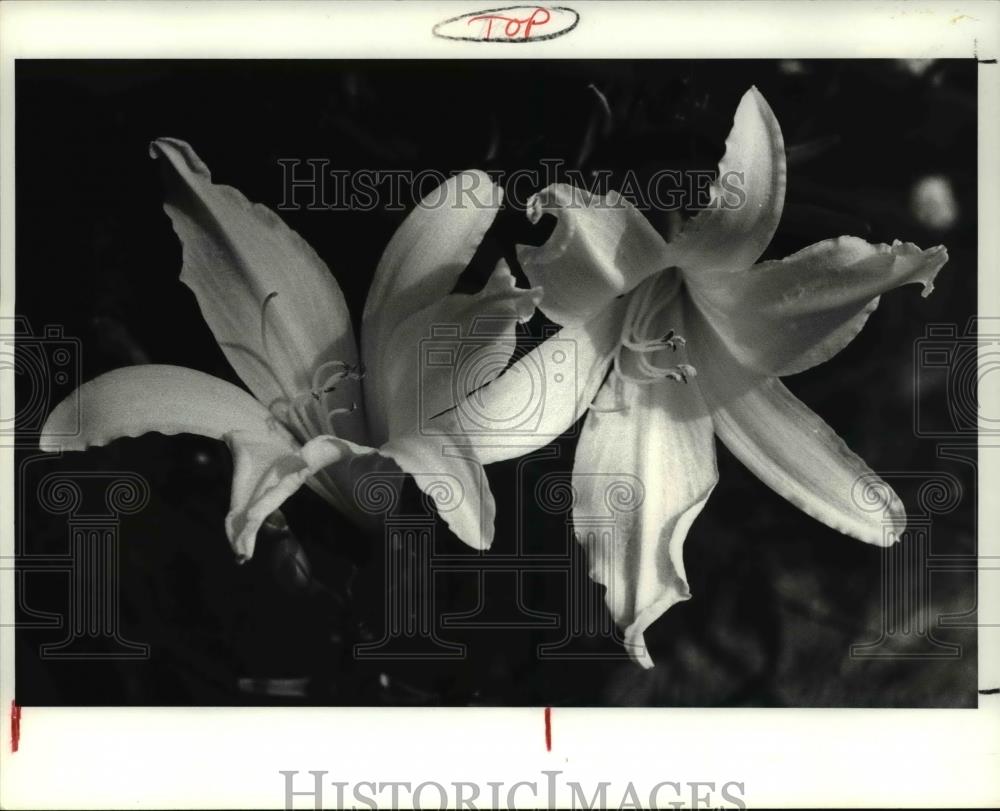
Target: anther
(617, 408)
(263, 322)
(336, 411)
(682, 372)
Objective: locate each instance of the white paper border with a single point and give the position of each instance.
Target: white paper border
(204, 757)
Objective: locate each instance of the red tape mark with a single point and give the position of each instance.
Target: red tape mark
(15, 725)
(548, 729)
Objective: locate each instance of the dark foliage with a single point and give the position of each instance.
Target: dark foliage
(779, 598)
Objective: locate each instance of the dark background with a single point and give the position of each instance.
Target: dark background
(778, 598)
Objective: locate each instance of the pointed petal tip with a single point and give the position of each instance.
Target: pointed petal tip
(896, 516)
(244, 544)
(454, 484)
(533, 210)
(933, 259)
(243, 541)
(479, 539)
(165, 143)
(753, 95)
(179, 153)
(885, 528)
(766, 113)
(535, 295)
(879, 516)
(731, 238)
(635, 642)
(159, 146)
(474, 527)
(939, 258)
(485, 540)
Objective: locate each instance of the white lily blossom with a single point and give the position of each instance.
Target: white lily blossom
(654, 401)
(319, 412)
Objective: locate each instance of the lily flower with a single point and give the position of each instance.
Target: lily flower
(319, 412)
(682, 341)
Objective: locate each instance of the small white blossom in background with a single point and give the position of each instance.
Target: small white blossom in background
(792, 67)
(916, 67)
(932, 201)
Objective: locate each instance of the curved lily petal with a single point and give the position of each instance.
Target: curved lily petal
(136, 400)
(788, 447)
(454, 480)
(540, 395)
(446, 350)
(256, 464)
(271, 303)
(425, 257)
(447, 475)
(656, 441)
(746, 199)
(272, 482)
(787, 316)
(601, 248)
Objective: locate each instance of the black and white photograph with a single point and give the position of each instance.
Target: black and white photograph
(497, 382)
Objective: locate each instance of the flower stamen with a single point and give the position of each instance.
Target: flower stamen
(639, 357)
(307, 414)
(642, 339)
(263, 324)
